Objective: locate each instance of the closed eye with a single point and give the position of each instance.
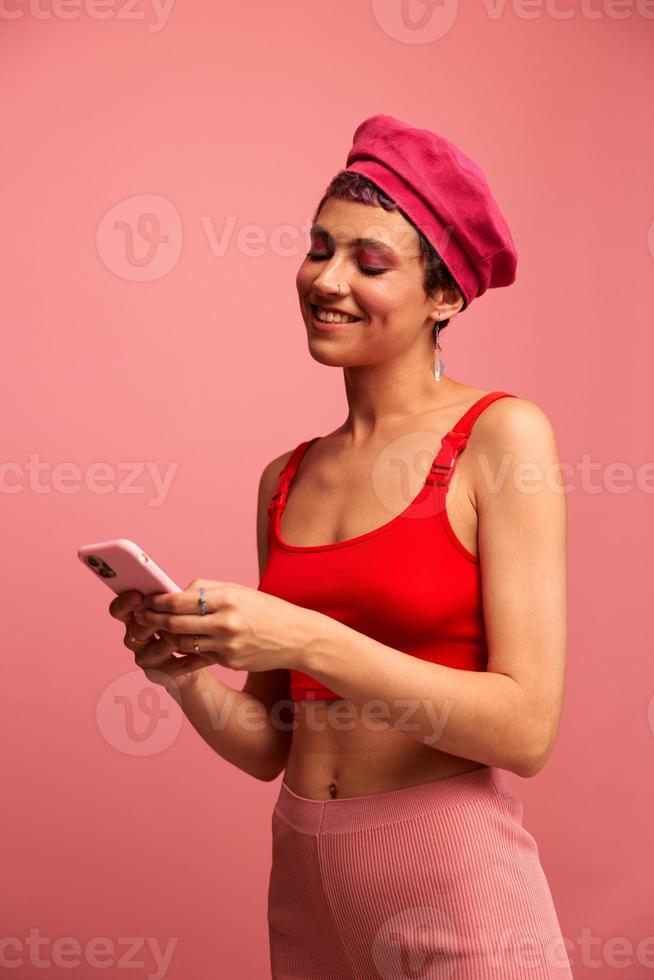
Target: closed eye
(367, 271)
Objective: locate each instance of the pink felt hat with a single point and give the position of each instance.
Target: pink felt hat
(446, 196)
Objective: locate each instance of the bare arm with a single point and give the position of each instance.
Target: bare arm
(508, 715)
(242, 726)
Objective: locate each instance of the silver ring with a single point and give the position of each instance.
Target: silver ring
(202, 602)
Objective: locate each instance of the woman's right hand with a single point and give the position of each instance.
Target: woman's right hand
(156, 657)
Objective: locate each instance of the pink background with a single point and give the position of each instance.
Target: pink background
(196, 355)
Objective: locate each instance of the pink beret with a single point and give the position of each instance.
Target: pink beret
(445, 194)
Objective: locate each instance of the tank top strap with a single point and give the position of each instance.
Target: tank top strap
(454, 442)
(286, 474)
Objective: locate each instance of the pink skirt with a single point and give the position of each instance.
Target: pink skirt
(438, 881)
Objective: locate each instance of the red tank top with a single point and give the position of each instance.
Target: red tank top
(410, 584)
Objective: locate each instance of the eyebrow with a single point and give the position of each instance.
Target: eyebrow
(366, 242)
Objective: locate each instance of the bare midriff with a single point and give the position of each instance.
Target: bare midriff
(325, 763)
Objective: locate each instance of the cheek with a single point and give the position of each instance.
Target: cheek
(380, 302)
(303, 278)
(393, 302)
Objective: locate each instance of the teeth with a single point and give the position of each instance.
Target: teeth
(329, 317)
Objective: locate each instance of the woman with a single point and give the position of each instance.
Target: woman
(406, 642)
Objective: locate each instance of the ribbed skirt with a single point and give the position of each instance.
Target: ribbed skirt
(437, 881)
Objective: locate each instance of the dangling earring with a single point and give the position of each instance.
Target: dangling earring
(439, 365)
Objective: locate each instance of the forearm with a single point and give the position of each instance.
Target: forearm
(237, 725)
(476, 715)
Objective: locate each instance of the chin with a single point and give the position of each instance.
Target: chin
(330, 358)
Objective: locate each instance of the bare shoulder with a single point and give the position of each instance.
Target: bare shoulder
(269, 475)
(509, 433)
(267, 484)
(513, 423)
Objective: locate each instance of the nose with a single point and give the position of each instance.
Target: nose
(330, 281)
(327, 292)
(329, 286)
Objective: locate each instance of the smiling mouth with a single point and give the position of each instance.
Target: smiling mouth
(350, 317)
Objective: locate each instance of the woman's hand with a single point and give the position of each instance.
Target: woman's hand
(242, 628)
(153, 654)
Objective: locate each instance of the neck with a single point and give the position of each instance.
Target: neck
(380, 400)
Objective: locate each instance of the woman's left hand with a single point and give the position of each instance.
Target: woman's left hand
(242, 628)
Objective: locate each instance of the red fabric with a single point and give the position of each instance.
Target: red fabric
(409, 584)
(446, 196)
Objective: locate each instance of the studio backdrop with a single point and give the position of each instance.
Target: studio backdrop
(161, 164)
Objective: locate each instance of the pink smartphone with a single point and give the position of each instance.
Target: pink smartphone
(124, 566)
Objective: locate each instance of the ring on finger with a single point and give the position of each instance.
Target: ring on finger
(196, 642)
(202, 602)
(131, 636)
